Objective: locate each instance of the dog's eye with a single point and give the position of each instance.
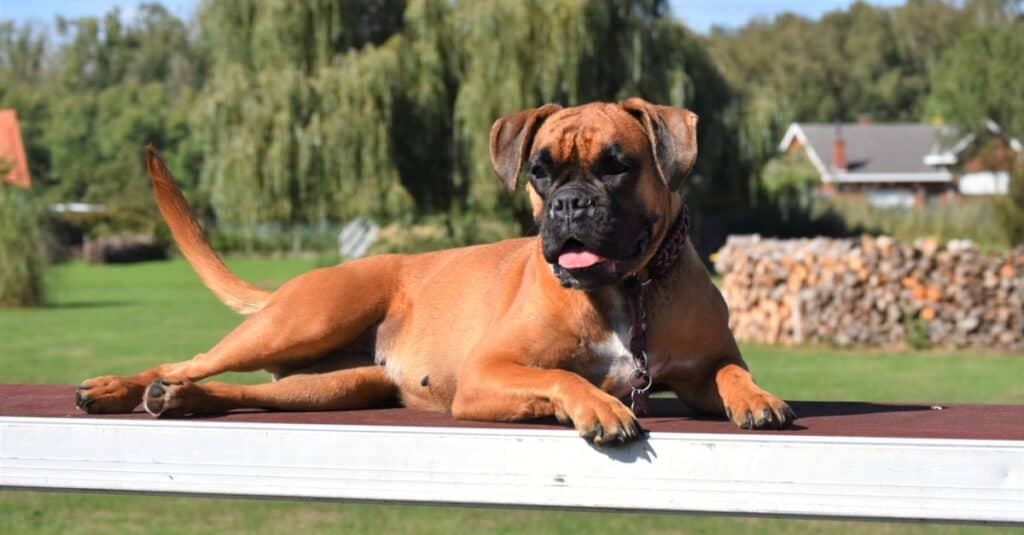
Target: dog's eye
(611, 167)
(539, 172)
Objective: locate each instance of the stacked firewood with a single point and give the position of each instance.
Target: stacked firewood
(873, 291)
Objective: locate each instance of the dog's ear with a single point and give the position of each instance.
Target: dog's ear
(511, 138)
(673, 136)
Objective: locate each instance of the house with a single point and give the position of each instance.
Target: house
(12, 150)
(901, 164)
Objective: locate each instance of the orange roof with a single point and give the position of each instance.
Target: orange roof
(13, 150)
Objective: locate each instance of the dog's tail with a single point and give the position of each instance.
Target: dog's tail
(234, 292)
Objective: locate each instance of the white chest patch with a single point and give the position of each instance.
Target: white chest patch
(614, 359)
(614, 348)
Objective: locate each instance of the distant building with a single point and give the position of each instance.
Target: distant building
(13, 150)
(900, 164)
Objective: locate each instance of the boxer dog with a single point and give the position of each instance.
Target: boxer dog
(608, 302)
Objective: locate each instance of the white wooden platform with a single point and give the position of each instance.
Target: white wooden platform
(787, 474)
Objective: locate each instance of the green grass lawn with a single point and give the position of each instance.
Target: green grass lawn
(105, 320)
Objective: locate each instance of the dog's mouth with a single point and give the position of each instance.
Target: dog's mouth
(575, 256)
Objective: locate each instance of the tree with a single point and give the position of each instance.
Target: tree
(23, 75)
(393, 122)
(967, 89)
(88, 103)
(295, 116)
(787, 181)
(299, 114)
(514, 55)
(22, 249)
(863, 61)
(1010, 210)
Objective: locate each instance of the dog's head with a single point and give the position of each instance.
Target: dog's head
(601, 177)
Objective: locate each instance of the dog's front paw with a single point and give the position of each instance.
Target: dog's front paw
(757, 409)
(167, 398)
(108, 394)
(602, 419)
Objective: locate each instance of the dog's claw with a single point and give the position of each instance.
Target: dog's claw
(603, 420)
(634, 429)
(618, 435)
(83, 402)
(757, 409)
(105, 395)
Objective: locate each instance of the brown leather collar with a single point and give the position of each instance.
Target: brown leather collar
(658, 268)
(671, 248)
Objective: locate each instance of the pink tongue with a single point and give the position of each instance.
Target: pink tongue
(578, 259)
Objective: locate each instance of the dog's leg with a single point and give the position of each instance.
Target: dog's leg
(508, 391)
(730, 391)
(307, 317)
(355, 388)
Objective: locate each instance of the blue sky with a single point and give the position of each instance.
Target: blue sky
(702, 14)
(698, 14)
(46, 10)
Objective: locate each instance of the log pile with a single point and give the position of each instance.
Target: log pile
(873, 291)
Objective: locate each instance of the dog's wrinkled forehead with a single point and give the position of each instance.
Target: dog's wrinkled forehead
(583, 133)
(642, 130)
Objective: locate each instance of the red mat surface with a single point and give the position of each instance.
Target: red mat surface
(817, 418)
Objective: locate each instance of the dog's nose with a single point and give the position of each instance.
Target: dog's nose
(571, 205)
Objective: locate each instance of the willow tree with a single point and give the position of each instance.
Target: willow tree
(510, 56)
(275, 88)
(513, 55)
(315, 112)
(358, 156)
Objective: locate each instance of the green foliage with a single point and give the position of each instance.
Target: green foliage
(514, 55)
(95, 153)
(983, 77)
(973, 219)
(22, 247)
(862, 61)
(394, 124)
(87, 108)
(916, 330)
(1010, 210)
(295, 118)
(23, 53)
(305, 114)
(788, 179)
(866, 60)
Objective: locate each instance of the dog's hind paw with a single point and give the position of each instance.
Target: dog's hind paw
(108, 394)
(166, 398)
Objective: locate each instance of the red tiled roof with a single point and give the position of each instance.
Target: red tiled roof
(13, 150)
